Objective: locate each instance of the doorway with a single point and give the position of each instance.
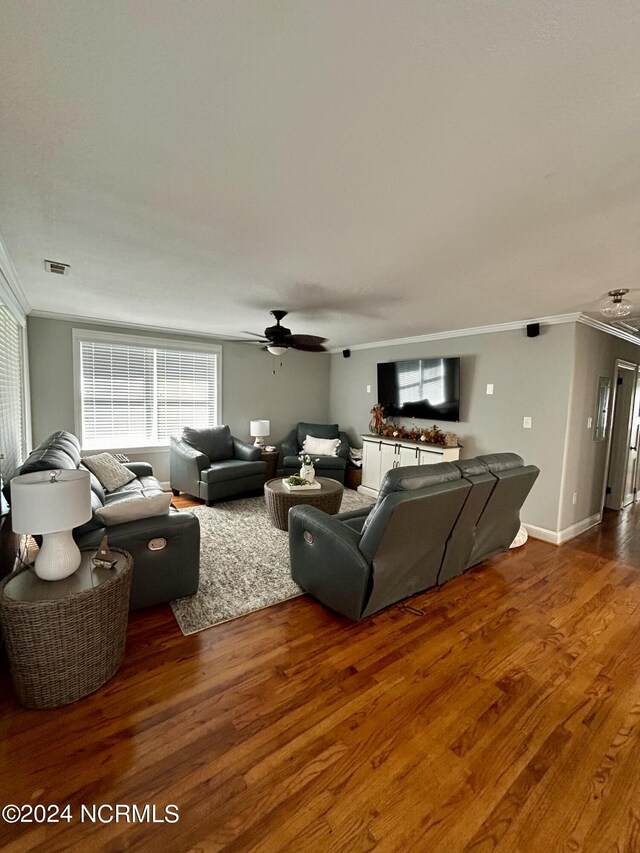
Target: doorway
(624, 465)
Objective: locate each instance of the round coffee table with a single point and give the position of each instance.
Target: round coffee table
(279, 499)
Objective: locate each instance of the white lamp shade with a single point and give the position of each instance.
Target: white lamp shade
(259, 428)
(39, 505)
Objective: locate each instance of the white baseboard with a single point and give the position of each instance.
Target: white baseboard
(365, 490)
(559, 537)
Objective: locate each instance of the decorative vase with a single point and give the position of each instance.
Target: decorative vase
(308, 472)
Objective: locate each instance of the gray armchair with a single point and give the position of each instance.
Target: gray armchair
(326, 466)
(211, 464)
(430, 523)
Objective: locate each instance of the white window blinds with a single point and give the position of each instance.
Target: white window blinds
(134, 395)
(12, 428)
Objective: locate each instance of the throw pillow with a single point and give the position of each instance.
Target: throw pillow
(215, 442)
(321, 446)
(111, 473)
(131, 509)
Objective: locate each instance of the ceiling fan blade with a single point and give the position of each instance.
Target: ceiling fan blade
(254, 334)
(306, 340)
(307, 347)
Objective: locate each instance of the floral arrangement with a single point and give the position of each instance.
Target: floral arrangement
(380, 425)
(306, 460)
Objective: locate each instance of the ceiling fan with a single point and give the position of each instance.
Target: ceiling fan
(278, 339)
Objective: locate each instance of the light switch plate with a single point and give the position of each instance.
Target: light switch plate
(490, 388)
(368, 389)
(526, 423)
(589, 422)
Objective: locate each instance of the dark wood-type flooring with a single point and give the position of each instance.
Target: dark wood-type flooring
(503, 713)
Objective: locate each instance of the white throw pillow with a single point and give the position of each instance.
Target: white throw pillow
(131, 509)
(111, 473)
(321, 446)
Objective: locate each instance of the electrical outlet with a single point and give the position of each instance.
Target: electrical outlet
(575, 498)
(490, 388)
(589, 422)
(526, 423)
(368, 389)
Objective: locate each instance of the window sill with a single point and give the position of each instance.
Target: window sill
(151, 448)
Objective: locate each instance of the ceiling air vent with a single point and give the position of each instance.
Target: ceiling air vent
(56, 267)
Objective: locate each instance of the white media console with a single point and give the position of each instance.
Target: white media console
(380, 455)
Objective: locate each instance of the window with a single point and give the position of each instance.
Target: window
(12, 420)
(136, 392)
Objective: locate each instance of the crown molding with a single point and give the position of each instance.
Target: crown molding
(609, 330)
(11, 291)
(464, 333)
(124, 324)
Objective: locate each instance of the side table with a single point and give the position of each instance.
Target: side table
(65, 638)
(271, 458)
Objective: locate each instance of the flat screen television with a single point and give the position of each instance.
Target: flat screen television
(421, 388)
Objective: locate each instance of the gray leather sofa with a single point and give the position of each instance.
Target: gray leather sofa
(327, 466)
(211, 464)
(428, 524)
(158, 575)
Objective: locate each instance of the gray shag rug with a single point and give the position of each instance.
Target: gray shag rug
(244, 562)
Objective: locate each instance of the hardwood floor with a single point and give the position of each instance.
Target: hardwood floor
(501, 712)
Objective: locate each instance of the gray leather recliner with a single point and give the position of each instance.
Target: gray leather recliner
(428, 524)
(327, 466)
(211, 464)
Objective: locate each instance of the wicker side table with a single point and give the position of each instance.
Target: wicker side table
(65, 638)
(271, 458)
(279, 500)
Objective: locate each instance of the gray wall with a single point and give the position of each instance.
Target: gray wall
(585, 459)
(299, 390)
(531, 376)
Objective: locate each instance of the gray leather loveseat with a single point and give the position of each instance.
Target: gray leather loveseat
(160, 575)
(428, 524)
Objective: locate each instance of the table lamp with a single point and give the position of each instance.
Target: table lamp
(52, 503)
(258, 430)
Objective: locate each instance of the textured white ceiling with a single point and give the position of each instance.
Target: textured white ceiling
(380, 169)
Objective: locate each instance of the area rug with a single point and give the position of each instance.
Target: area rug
(244, 562)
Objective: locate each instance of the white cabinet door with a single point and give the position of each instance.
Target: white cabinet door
(409, 456)
(371, 459)
(389, 458)
(429, 457)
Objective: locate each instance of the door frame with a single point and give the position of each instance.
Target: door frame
(620, 365)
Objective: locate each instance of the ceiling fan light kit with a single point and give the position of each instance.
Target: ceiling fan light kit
(617, 306)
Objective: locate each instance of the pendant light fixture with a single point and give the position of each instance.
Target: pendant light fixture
(617, 306)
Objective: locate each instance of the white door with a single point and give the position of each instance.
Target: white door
(631, 473)
(623, 461)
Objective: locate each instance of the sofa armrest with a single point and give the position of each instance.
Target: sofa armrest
(343, 447)
(326, 560)
(246, 452)
(185, 465)
(162, 573)
(289, 445)
(362, 512)
(140, 469)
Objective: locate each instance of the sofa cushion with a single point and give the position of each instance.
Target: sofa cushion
(333, 463)
(134, 508)
(140, 487)
(320, 446)
(111, 473)
(232, 469)
(215, 442)
(497, 462)
(317, 431)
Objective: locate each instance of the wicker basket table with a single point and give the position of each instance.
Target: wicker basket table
(279, 499)
(65, 638)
